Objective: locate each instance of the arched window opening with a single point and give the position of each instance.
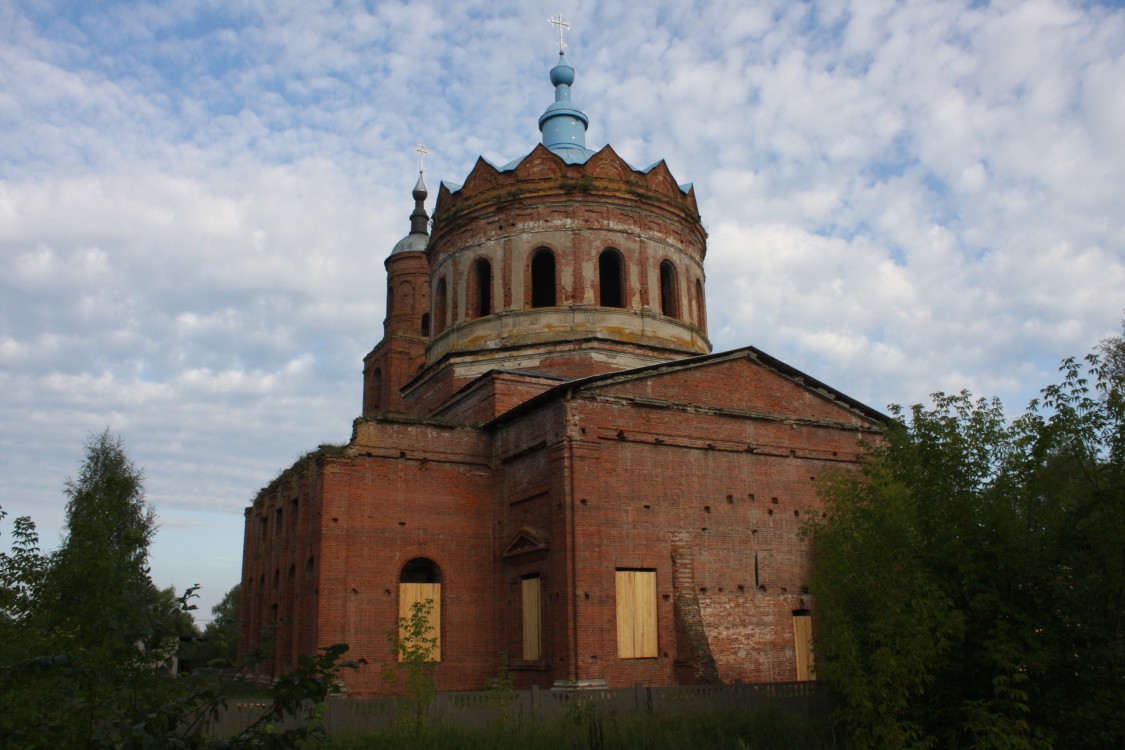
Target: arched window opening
(390, 299)
(482, 276)
(439, 307)
(700, 305)
(611, 279)
(419, 596)
(669, 301)
(292, 576)
(276, 579)
(310, 566)
(377, 387)
(543, 279)
(425, 324)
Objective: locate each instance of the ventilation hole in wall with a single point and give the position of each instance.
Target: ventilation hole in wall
(403, 523)
(751, 495)
(784, 590)
(753, 532)
(774, 500)
(582, 501)
(402, 454)
(823, 514)
(805, 590)
(583, 430)
(621, 434)
(761, 588)
(710, 446)
(720, 589)
(667, 597)
(647, 507)
(796, 514)
(833, 453)
(703, 528)
(770, 511)
(792, 453)
(706, 508)
(586, 594)
(730, 499)
(335, 520)
(703, 589)
(659, 441)
(741, 587)
(354, 591)
(387, 592)
(593, 658)
(812, 479)
(665, 654)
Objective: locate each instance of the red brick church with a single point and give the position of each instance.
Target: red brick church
(549, 451)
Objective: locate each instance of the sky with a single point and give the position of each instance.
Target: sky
(196, 199)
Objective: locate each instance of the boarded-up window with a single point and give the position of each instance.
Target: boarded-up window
(410, 594)
(803, 646)
(636, 614)
(532, 628)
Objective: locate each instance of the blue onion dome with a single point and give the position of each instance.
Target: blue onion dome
(563, 124)
(562, 74)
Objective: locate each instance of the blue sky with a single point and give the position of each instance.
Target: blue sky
(196, 199)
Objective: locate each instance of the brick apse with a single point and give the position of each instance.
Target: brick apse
(549, 451)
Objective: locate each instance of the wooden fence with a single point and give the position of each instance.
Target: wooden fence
(344, 716)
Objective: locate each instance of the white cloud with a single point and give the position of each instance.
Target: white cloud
(196, 200)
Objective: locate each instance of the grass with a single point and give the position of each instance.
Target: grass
(757, 729)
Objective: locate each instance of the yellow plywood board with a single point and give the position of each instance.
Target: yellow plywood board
(802, 647)
(636, 614)
(531, 619)
(411, 593)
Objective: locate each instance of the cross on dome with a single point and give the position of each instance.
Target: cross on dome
(562, 24)
(423, 152)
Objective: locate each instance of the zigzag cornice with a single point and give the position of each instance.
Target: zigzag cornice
(543, 164)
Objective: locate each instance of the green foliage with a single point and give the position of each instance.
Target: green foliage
(97, 583)
(218, 644)
(970, 583)
(415, 649)
(86, 640)
(754, 729)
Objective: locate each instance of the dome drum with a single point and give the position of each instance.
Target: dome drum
(579, 326)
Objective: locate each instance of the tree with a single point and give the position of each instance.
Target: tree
(85, 637)
(96, 589)
(415, 646)
(970, 582)
(218, 645)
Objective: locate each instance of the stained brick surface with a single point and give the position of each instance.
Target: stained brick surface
(565, 443)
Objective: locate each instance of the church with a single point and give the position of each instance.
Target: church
(550, 454)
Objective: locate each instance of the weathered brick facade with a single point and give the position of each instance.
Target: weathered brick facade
(541, 417)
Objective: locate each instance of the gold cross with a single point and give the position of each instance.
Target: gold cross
(423, 152)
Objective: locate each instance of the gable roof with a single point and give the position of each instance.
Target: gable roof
(753, 354)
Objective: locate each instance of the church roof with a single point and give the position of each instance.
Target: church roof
(419, 236)
(749, 352)
(563, 125)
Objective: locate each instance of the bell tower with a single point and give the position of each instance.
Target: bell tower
(406, 328)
